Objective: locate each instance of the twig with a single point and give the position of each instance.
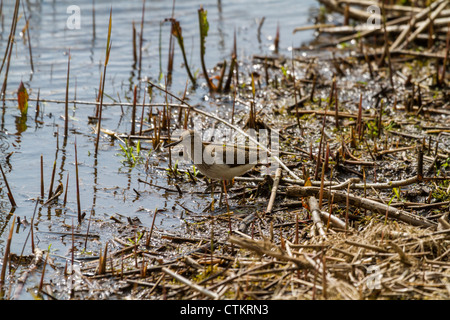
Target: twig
(260, 249)
(273, 194)
(422, 27)
(315, 215)
(342, 196)
(333, 219)
(194, 286)
(419, 16)
(10, 196)
(366, 246)
(352, 12)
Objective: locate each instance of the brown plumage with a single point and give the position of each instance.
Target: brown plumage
(216, 161)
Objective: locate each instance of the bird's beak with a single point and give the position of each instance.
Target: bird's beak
(173, 143)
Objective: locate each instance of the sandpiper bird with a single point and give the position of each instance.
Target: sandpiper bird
(216, 161)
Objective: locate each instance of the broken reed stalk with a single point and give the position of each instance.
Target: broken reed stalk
(65, 192)
(142, 115)
(252, 115)
(180, 113)
(295, 92)
(411, 23)
(359, 120)
(191, 284)
(41, 283)
(234, 105)
(319, 155)
(66, 109)
(97, 106)
(166, 117)
(27, 27)
(432, 16)
(160, 51)
(37, 106)
(6, 255)
(87, 230)
(366, 58)
(73, 249)
(10, 195)
(313, 89)
(32, 228)
(377, 207)
(133, 112)
(273, 193)
(222, 75)
(156, 139)
(420, 164)
(204, 26)
(50, 191)
(102, 261)
(315, 215)
(78, 185)
(177, 32)
(171, 50)
(236, 64)
(386, 47)
(42, 177)
(444, 63)
(380, 119)
(322, 177)
(108, 51)
(276, 41)
(141, 40)
(9, 47)
(135, 58)
(336, 110)
(93, 19)
(233, 65)
(149, 237)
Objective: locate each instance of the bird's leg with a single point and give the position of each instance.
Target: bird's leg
(212, 185)
(226, 195)
(221, 193)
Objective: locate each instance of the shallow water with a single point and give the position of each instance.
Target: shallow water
(106, 184)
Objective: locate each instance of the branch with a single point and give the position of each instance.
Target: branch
(341, 196)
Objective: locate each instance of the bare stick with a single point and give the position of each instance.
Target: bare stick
(50, 191)
(66, 109)
(9, 46)
(315, 215)
(411, 24)
(259, 248)
(333, 219)
(194, 286)
(147, 243)
(422, 27)
(341, 196)
(10, 196)
(108, 51)
(28, 36)
(6, 256)
(42, 177)
(273, 194)
(78, 184)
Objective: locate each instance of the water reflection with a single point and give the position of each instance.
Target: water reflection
(21, 126)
